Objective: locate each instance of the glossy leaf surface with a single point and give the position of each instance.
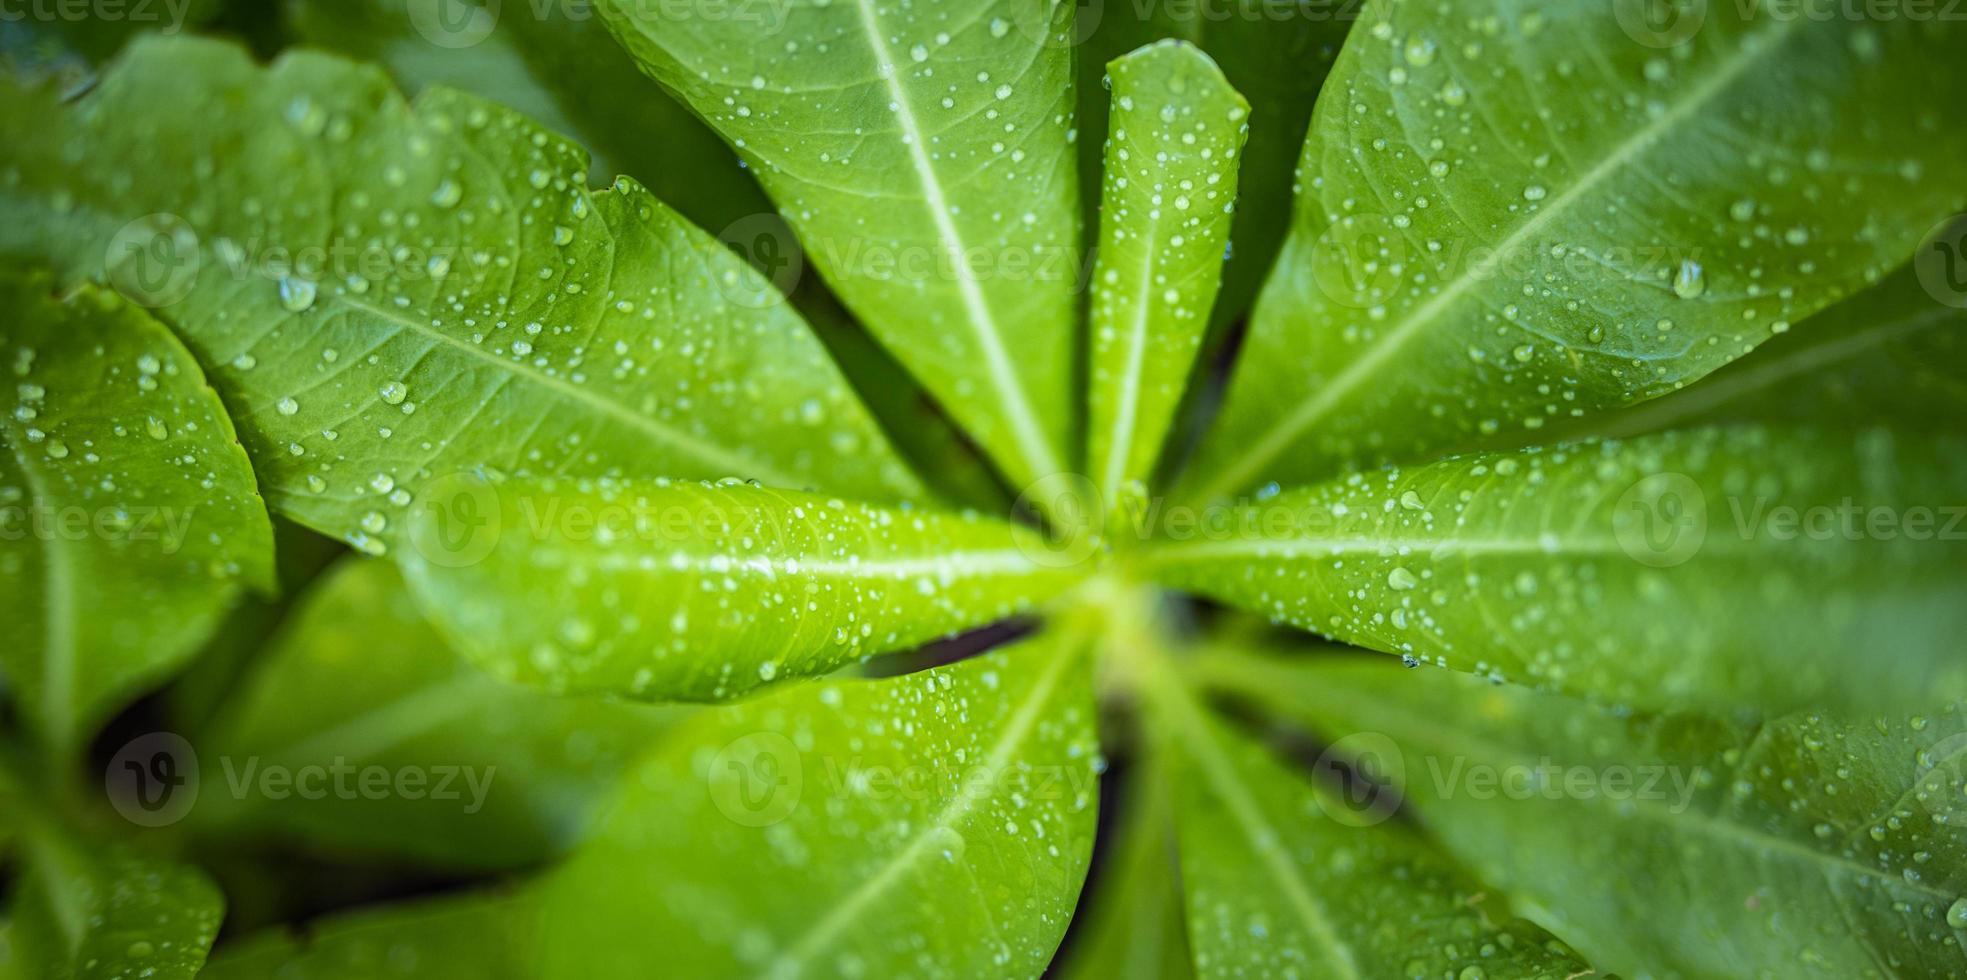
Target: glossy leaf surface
(1512, 217)
(129, 519)
(935, 825)
(924, 155)
(394, 744)
(1673, 845)
(386, 294)
(702, 592)
(1170, 192)
(1712, 567)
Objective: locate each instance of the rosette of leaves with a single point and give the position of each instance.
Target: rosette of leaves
(1607, 375)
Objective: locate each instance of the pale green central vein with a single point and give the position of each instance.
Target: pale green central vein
(1742, 837)
(720, 459)
(1329, 396)
(58, 650)
(829, 929)
(1201, 745)
(1288, 548)
(961, 563)
(1038, 454)
(1124, 420)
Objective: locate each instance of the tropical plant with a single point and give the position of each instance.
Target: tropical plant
(958, 565)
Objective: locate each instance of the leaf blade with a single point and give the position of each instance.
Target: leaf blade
(984, 326)
(598, 332)
(1252, 829)
(1667, 570)
(704, 592)
(113, 424)
(1354, 304)
(979, 846)
(357, 680)
(1752, 827)
(86, 912)
(1178, 129)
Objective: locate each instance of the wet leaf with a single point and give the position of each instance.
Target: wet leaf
(924, 156)
(1712, 567)
(1170, 192)
(1130, 922)
(549, 62)
(1276, 56)
(1674, 845)
(1279, 881)
(129, 520)
(1507, 219)
(701, 592)
(1889, 354)
(387, 294)
(394, 744)
(86, 912)
(933, 825)
(476, 936)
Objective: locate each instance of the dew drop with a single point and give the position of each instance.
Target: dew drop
(296, 294)
(1689, 282)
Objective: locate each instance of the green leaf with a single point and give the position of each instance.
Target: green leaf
(128, 515)
(935, 824)
(1280, 881)
(452, 296)
(548, 66)
(1778, 568)
(1276, 56)
(85, 912)
(476, 936)
(549, 62)
(1506, 220)
(699, 592)
(478, 773)
(1178, 129)
(198, 693)
(924, 156)
(1890, 353)
(1674, 845)
(1130, 921)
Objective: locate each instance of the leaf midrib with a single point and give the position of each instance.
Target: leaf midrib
(1003, 561)
(728, 463)
(1201, 745)
(1121, 447)
(1327, 396)
(58, 650)
(1039, 457)
(824, 932)
(1709, 824)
